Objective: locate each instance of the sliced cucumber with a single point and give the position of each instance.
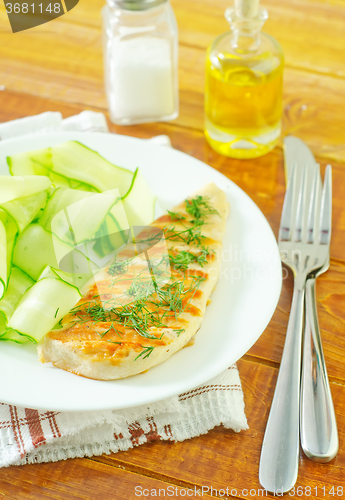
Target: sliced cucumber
(3, 258)
(18, 187)
(76, 161)
(43, 305)
(34, 251)
(31, 163)
(24, 210)
(78, 280)
(58, 180)
(80, 221)
(2, 325)
(60, 200)
(61, 181)
(68, 220)
(111, 236)
(13, 336)
(78, 185)
(75, 227)
(139, 202)
(39, 162)
(18, 283)
(8, 233)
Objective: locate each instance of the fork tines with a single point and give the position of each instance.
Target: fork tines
(306, 214)
(326, 208)
(293, 219)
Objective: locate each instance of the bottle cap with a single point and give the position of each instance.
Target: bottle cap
(246, 15)
(247, 9)
(135, 4)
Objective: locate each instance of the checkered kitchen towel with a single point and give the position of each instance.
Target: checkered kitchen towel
(30, 436)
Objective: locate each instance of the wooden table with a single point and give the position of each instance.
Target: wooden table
(58, 67)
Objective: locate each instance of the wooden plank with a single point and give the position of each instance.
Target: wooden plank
(313, 104)
(310, 21)
(223, 458)
(81, 479)
(302, 27)
(330, 298)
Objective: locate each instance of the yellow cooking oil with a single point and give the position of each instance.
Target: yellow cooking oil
(243, 94)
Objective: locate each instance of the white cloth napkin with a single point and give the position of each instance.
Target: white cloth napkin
(52, 121)
(29, 436)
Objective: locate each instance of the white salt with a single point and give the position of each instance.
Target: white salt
(141, 78)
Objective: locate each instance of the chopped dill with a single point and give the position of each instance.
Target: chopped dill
(141, 287)
(178, 331)
(117, 268)
(145, 352)
(110, 328)
(188, 235)
(143, 314)
(183, 259)
(176, 216)
(199, 207)
(159, 297)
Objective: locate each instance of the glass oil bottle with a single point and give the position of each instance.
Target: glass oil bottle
(244, 78)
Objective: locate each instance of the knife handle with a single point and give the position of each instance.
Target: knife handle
(280, 449)
(319, 435)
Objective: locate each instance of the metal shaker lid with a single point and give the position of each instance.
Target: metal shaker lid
(135, 4)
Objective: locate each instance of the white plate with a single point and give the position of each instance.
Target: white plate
(242, 303)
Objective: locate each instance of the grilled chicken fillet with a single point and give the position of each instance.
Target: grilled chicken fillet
(103, 340)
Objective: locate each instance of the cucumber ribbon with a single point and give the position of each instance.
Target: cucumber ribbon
(61, 219)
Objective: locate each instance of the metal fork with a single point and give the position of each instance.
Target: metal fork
(319, 435)
(301, 251)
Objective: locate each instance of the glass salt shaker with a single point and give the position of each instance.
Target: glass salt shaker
(140, 59)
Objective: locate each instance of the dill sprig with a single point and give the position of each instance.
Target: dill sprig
(118, 267)
(183, 259)
(199, 207)
(152, 306)
(145, 352)
(189, 235)
(143, 314)
(178, 331)
(140, 287)
(172, 295)
(176, 216)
